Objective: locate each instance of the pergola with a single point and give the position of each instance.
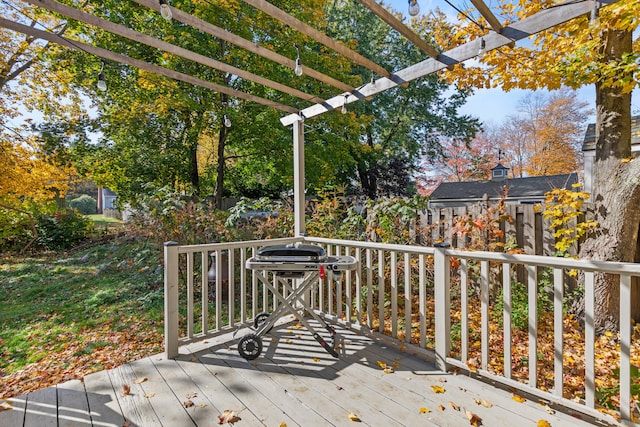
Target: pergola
(497, 37)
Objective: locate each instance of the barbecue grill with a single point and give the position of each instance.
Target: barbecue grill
(297, 267)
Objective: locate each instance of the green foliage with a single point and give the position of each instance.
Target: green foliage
(520, 304)
(85, 204)
(62, 230)
(390, 219)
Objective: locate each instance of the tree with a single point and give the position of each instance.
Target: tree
(398, 127)
(583, 51)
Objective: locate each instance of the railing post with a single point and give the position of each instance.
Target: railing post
(442, 264)
(171, 300)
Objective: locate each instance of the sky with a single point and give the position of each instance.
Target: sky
(492, 106)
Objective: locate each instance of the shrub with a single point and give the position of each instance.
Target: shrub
(85, 204)
(62, 230)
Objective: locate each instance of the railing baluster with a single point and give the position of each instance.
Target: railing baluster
(339, 296)
(407, 297)
(329, 287)
(558, 296)
(484, 313)
(348, 294)
(532, 281)
(369, 289)
(218, 302)
(506, 318)
(381, 291)
(394, 294)
(589, 339)
(231, 308)
(243, 286)
(359, 287)
(190, 260)
(254, 288)
(464, 309)
(625, 346)
(422, 294)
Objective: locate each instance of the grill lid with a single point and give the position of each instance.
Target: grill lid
(291, 253)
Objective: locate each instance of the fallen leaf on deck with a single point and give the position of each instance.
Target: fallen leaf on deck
(191, 395)
(474, 419)
(353, 417)
(283, 424)
(5, 406)
(202, 405)
(316, 359)
(381, 364)
(126, 424)
(519, 398)
(424, 410)
(140, 380)
(125, 389)
(149, 395)
(388, 370)
(454, 406)
(549, 410)
(483, 402)
(339, 387)
(442, 379)
(194, 359)
(228, 417)
(437, 389)
(441, 407)
(288, 341)
(188, 404)
(543, 423)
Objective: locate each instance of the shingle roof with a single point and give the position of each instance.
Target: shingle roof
(589, 142)
(517, 187)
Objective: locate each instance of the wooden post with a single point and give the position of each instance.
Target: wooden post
(298, 178)
(442, 307)
(171, 300)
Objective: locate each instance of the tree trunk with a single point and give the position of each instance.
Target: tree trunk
(616, 189)
(222, 142)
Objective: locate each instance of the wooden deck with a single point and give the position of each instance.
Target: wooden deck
(294, 383)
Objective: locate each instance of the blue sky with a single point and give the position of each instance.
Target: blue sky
(491, 106)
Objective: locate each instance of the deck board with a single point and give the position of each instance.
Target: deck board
(294, 382)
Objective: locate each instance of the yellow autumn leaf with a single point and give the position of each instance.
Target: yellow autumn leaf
(353, 417)
(283, 424)
(519, 398)
(388, 370)
(441, 407)
(474, 419)
(381, 364)
(543, 423)
(424, 410)
(316, 359)
(454, 406)
(437, 389)
(140, 380)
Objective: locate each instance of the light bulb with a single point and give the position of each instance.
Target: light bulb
(414, 7)
(227, 121)
(482, 49)
(298, 69)
(343, 110)
(165, 10)
(102, 83)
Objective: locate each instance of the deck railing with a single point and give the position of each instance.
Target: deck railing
(474, 311)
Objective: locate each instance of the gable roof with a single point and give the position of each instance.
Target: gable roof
(589, 141)
(518, 188)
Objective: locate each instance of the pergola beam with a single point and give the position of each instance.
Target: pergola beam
(168, 47)
(250, 46)
(488, 15)
(156, 69)
(318, 36)
(541, 21)
(400, 27)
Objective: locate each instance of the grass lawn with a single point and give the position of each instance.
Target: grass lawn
(63, 316)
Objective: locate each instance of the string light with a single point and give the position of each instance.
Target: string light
(298, 69)
(227, 121)
(343, 110)
(301, 115)
(165, 10)
(102, 82)
(483, 48)
(414, 7)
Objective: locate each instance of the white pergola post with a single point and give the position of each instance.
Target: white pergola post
(298, 178)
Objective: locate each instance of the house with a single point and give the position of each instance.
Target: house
(589, 149)
(106, 199)
(528, 190)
